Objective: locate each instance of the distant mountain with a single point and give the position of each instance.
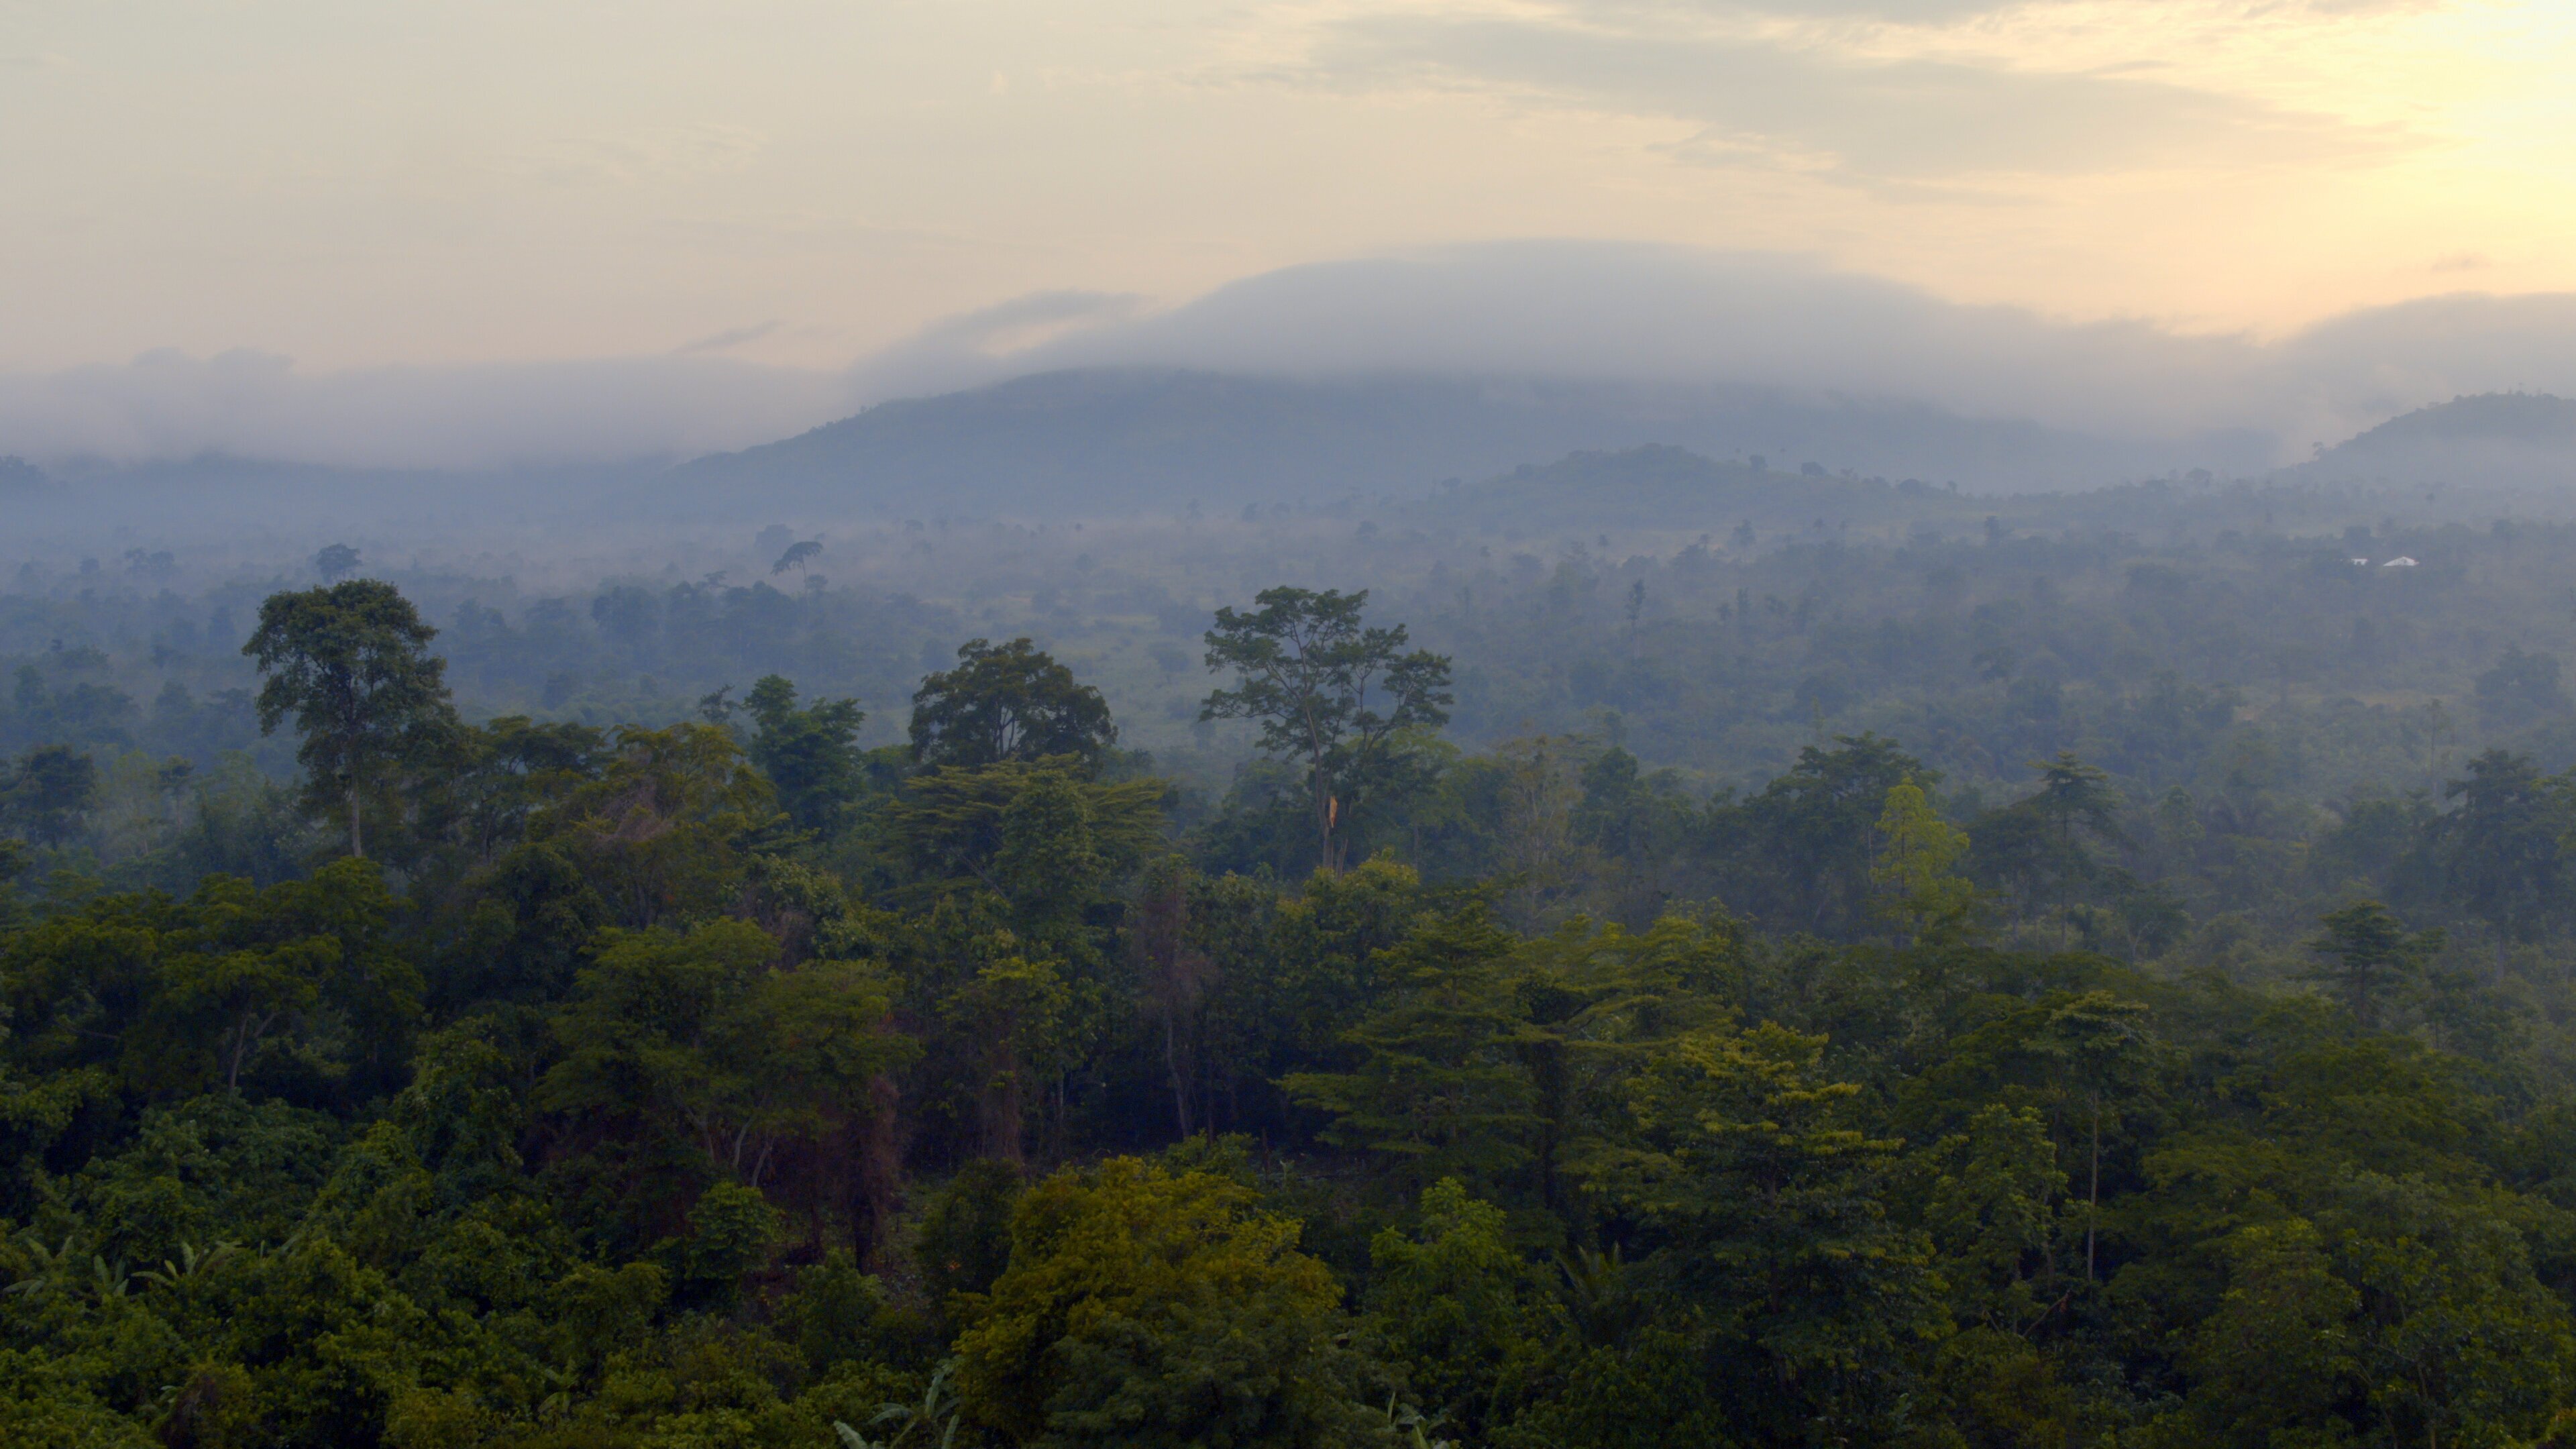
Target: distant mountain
(1135, 440)
(2496, 437)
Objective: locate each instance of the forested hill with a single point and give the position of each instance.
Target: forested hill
(1072, 443)
(2487, 438)
(2536, 419)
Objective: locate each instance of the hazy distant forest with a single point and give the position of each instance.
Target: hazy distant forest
(1641, 951)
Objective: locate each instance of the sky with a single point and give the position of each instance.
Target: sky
(787, 187)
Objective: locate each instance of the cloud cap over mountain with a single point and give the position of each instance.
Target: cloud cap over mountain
(1668, 314)
(1562, 309)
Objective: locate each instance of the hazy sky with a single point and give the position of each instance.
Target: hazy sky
(805, 182)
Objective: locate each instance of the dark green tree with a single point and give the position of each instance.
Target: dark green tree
(964, 1239)
(1310, 671)
(1803, 845)
(351, 664)
(495, 780)
(2042, 848)
(45, 794)
(666, 827)
(996, 827)
(1437, 1084)
(2370, 961)
(810, 754)
(13, 864)
(1007, 702)
(2504, 850)
(1778, 1259)
(699, 1036)
(2102, 1051)
(335, 562)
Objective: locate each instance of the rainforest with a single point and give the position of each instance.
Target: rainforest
(2005, 988)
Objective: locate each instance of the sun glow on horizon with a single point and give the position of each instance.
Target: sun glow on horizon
(807, 182)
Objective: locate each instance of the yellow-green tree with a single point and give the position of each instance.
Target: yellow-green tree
(1919, 888)
(1155, 1310)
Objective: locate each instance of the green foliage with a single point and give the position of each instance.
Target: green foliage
(727, 1060)
(596, 1119)
(836, 1314)
(1435, 1082)
(2370, 961)
(1766, 1199)
(1989, 1201)
(664, 831)
(13, 864)
(1917, 849)
(1304, 667)
(298, 981)
(964, 1240)
(351, 663)
(1805, 839)
(47, 791)
(1145, 1308)
(1008, 827)
(1459, 1310)
(809, 755)
(732, 1230)
(1008, 702)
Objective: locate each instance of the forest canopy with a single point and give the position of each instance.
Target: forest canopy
(1977, 989)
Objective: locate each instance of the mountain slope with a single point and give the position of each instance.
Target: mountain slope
(2497, 437)
(1122, 440)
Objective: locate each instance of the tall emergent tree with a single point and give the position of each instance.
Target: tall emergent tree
(810, 754)
(45, 794)
(1305, 667)
(351, 663)
(1007, 702)
(2369, 960)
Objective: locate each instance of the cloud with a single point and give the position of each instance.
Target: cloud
(1582, 309)
(1819, 109)
(730, 337)
(984, 344)
(1622, 310)
(1529, 309)
(2366, 366)
(1912, 12)
(258, 405)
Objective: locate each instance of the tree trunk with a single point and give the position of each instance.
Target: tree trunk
(2093, 1189)
(1327, 816)
(245, 1037)
(357, 846)
(880, 1164)
(1003, 1104)
(1180, 1079)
